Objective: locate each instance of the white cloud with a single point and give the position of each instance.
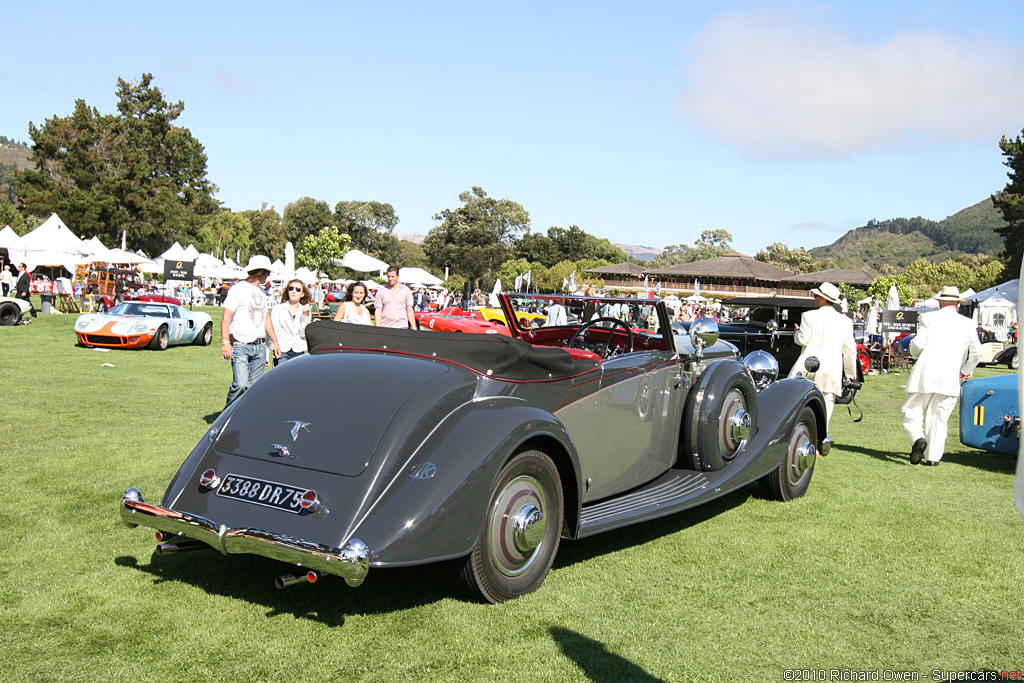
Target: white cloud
(778, 84)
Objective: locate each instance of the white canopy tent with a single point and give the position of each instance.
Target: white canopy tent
(361, 263)
(997, 306)
(419, 276)
(9, 239)
(51, 244)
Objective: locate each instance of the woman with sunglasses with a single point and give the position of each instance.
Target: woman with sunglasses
(352, 310)
(289, 319)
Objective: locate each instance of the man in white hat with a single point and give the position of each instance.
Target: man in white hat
(245, 327)
(947, 351)
(826, 334)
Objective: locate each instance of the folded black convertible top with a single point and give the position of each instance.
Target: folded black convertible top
(494, 355)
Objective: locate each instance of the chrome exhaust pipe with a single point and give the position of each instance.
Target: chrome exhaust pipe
(180, 547)
(286, 580)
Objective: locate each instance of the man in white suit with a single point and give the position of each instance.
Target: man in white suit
(947, 351)
(826, 334)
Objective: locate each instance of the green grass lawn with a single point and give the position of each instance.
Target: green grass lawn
(881, 566)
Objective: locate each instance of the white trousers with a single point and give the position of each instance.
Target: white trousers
(830, 404)
(926, 415)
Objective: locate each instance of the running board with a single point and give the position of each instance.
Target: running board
(673, 491)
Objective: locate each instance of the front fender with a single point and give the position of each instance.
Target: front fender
(434, 508)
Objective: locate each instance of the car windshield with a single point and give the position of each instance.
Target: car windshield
(141, 310)
(572, 311)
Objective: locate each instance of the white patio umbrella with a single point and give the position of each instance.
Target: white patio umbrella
(871, 321)
(492, 298)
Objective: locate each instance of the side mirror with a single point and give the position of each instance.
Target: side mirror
(811, 363)
(703, 333)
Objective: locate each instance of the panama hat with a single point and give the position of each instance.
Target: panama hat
(949, 294)
(259, 263)
(828, 291)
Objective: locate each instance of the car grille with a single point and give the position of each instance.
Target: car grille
(104, 339)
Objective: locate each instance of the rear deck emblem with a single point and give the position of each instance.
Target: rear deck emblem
(296, 426)
(425, 471)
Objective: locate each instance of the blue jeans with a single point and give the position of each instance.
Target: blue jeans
(287, 355)
(248, 363)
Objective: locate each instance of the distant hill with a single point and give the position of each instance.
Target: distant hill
(14, 153)
(410, 237)
(901, 241)
(640, 253)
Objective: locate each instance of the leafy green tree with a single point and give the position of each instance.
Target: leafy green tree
(135, 171)
(537, 248)
(306, 216)
(319, 250)
(851, 294)
(797, 260)
(226, 232)
(9, 215)
(513, 268)
(454, 284)
(1010, 202)
(371, 226)
(267, 231)
(601, 249)
(952, 273)
(988, 275)
(477, 237)
(411, 255)
(555, 276)
(879, 288)
(714, 239)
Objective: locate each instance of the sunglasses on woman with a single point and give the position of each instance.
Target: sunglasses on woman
(295, 289)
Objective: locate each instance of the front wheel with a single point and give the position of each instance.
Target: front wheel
(160, 341)
(793, 475)
(10, 313)
(1014, 363)
(522, 529)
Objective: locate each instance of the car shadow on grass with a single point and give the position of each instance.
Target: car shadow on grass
(595, 661)
(329, 601)
(571, 552)
(977, 459)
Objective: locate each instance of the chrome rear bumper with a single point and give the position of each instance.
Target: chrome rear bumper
(350, 563)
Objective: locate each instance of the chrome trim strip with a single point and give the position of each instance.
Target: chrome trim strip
(350, 563)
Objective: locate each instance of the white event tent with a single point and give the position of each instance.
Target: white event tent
(418, 276)
(361, 263)
(997, 306)
(51, 244)
(9, 239)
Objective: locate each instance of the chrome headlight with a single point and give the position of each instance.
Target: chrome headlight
(763, 368)
(703, 333)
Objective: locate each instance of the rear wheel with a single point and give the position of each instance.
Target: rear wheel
(865, 361)
(205, 336)
(160, 341)
(793, 475)
(1014, 363)
(522, 529)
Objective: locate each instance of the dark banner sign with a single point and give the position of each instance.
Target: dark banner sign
(899, 321)
(178, 270)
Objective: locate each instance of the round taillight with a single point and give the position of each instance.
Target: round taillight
(312, 576)
(309, 501)
(209, 479)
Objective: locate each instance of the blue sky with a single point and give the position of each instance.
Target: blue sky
(644, 122)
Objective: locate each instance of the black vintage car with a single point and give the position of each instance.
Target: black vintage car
(769, 323)
(399, 447)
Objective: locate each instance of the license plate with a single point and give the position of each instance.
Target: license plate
(266, 493)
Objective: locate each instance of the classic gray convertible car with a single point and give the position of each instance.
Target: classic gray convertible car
(386, 448)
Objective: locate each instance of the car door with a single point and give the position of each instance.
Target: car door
(626, 432)
(176, 325)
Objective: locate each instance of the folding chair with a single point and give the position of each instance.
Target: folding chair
(65, 296)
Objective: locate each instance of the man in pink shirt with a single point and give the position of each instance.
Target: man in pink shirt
(393, 304)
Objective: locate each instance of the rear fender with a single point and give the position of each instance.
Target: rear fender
(433, 509)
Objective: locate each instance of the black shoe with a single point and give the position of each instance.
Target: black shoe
(933, 463)
(917, 452)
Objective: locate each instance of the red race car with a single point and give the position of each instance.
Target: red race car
(454, 319)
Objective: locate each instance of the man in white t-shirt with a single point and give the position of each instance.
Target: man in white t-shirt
(245, 327)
